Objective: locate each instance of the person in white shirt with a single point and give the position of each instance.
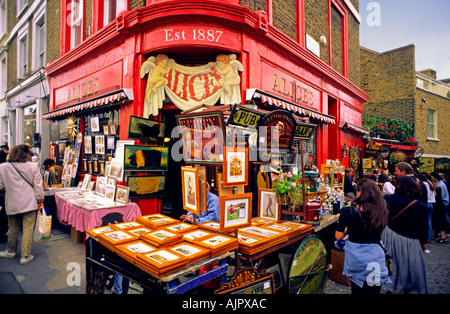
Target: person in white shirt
(388, 187)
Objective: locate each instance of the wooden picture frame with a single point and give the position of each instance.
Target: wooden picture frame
(88, 144)
(86, 180)
(100, 144)
(268, 208)
(161, 237)
(192, 252)
(235, 211)
(105, 130)
(100, 186)
(146, 186)
(122, 194)
(112, 129)
(110, 191)
(95, 124)
(110, 142)
(146, 130)
(190, 189)
(212, 135)
(235, 166)
(146, 158)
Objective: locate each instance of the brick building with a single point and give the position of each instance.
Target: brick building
(23, 86)
(302, 55)
(400, 93)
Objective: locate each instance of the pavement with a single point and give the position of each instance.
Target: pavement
(59, 268)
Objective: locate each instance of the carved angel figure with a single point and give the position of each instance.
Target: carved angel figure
(228, 67)
(156, 67)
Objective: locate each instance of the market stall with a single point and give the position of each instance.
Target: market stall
(256, 230)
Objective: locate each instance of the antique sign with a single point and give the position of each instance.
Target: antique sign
(244, 117)
(202, 137)
(188, 87)
(304, 131)
(276, 131)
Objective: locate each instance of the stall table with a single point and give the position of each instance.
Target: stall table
(82, 219)
(99, 259)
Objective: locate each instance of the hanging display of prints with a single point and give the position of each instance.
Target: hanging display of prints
(188, 87)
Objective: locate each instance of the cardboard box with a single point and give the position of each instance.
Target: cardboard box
(76, 236)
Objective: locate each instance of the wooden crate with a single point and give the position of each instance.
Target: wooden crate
(337, 260)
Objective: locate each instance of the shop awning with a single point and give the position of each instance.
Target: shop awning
(116, 97)
(280, 103)
(345, 125)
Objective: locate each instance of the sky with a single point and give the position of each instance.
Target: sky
(391, 24)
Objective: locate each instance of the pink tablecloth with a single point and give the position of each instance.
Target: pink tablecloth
(82, 219)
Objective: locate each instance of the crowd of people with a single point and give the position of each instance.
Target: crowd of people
(398, 217)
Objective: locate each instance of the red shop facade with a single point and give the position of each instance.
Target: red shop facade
(105, 73)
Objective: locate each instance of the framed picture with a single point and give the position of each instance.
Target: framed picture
(235, 211)
(146, 158)
(190, 189)
(111, 180)
(235, 166)
(268, 207)
(91, 186)
(110, 142)
(107, 168)
(86, 180)
(146, 130)
(105, 130)
(101, 167)
(146, 186)
(88, 144)
(110, 191)
(89, 166)
(112, 129)
(95, 124)
(100, 186)
(122, 194)
(116, 169)
(202, 136)
(100, 144)
(94, 165)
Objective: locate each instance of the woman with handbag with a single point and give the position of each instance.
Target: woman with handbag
(405, 237)
(363, 222)
(24, 195)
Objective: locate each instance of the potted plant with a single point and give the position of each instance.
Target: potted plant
(284, 185)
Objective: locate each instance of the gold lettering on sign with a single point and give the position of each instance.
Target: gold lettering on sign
(84, 89)
(294, 90)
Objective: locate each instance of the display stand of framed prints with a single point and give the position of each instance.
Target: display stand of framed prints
(161, 237)
(94, 232)
(181, 228)
(268, 208)
(250, 244)
(161, 262)
(192, 252)
(274, 237)
(235, 211)
(112, 238)
(130, 250)
(156, 221)
(219, 244)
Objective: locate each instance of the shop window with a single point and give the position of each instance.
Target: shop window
(29, 124)
(102, 131)
(432, 124)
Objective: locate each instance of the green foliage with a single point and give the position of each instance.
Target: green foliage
(390, 129)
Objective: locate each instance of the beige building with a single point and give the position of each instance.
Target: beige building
(416, 98)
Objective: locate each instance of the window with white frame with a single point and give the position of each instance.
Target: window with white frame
(2, 75)
(432, 124)
(22, 54)
(76, 23)
(2, 17)
(111, 9)
(39, 39)
(21, 5)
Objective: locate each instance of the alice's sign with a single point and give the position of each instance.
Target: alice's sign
(188, 87)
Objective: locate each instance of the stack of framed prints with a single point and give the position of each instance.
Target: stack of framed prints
(161, 262)
(94, 232)
(219, 244)
(130, 250)
(112, 238)
(210, 225)
(249, 244)
(139, 230)
(274, 237)
(181, 228)
(127, 225)
(161, 237)
(297, 226)
(197, 235)
(290, 231)
(258, 221)
(156, 221)
(193, 252)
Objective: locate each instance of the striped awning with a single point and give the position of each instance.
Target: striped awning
(110, 99)
(277, 102)
(355, 128)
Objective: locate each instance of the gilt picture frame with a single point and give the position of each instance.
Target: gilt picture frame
(268, 207)
(235, 166)
(146, 158)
